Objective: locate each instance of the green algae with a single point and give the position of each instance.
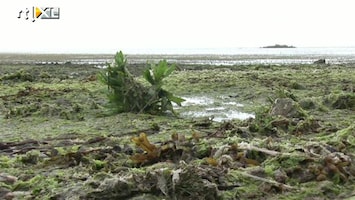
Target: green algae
(77, 147)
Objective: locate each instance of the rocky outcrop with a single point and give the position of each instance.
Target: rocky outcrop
(320, 61)
(279, 46)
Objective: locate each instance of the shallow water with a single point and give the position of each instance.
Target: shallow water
(217, 108)
(216, 56)
(249, 56)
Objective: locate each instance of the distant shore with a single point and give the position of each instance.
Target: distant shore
(279, 46)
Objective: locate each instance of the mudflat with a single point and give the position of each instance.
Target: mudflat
(297, 142)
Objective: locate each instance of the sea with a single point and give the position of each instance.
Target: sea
(250, 56)
(203, 56)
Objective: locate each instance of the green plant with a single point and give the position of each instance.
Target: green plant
(125, 94)
(160, 99)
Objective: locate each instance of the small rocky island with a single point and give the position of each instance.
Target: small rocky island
(279, 46)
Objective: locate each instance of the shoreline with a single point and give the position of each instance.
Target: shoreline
(188, 59)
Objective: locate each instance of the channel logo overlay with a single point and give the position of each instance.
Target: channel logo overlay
(40, 13)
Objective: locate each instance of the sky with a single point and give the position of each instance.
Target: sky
(106, 26)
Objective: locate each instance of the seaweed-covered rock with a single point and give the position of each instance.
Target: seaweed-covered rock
(287, 107)
(308, 125)
(308, 104)
(6, 194)
(19, 76)
(183, 182)
(344, 101)
(5, 181)
(113, 188)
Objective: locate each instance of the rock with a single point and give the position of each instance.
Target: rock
(280, 176)
(286, 107)
(6, 194)
(281, 123)
(320, 61)
(7, 179)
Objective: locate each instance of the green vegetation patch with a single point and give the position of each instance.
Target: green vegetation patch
(127, 95)
(58, 143)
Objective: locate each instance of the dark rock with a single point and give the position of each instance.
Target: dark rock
(301, 175)
(280, 176)
(320, 61)
(3, 146)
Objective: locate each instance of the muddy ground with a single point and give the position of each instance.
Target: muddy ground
(59, 142)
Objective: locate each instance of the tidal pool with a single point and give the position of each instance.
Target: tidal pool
(217, 108)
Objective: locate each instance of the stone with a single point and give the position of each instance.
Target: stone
(286, 107)
(320, 61)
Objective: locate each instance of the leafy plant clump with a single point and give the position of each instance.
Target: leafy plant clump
(125, 94)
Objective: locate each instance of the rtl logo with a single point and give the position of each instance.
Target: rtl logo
(40, 13)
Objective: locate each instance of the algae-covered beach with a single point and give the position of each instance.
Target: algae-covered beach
(244, 132)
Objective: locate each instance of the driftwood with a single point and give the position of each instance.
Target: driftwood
(246, 146)
(285, 186)
(45, 145)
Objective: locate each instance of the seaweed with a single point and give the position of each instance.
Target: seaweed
(152, 152)
(48, 151)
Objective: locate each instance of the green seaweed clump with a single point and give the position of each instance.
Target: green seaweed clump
(20, 76)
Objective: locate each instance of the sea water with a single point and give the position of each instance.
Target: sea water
(247, 56)
(203, 56)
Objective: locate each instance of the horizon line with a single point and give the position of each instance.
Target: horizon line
(161, 50)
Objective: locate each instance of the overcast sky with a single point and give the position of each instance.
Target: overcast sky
(105, 26)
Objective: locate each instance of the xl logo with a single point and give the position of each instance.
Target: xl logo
(47, 13)
(41, 13)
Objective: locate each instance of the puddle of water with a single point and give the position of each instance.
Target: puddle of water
(220, 109)
(232, 103)
(101, 66)
(219, 116)
(197, 101)
(215, 109)
(233, 114)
